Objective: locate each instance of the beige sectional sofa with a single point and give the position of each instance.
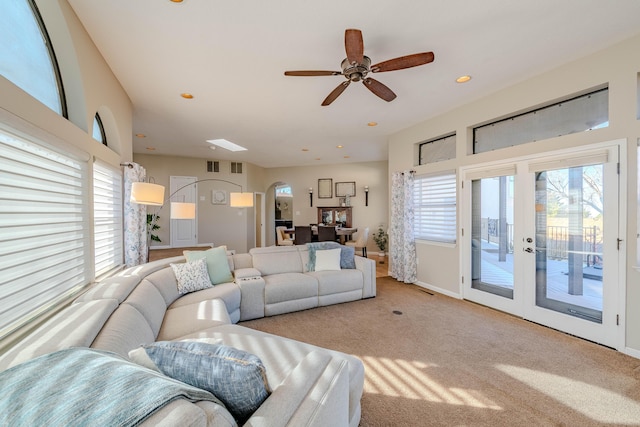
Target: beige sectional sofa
(310, 385)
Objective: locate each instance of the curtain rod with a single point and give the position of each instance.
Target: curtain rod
(129, 165)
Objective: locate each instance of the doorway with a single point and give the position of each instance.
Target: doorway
(542, 240)
(184, 232)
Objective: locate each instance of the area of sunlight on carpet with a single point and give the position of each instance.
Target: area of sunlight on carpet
(592, 401)
(408, 379)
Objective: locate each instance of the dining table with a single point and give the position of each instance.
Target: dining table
(343, 233)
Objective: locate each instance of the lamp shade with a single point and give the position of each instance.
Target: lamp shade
(183, 210)
(145, 193)
(241, 200)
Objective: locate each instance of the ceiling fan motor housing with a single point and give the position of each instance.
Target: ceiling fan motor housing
(356, 72)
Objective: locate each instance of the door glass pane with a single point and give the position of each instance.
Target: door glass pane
(492, 235)
(569, 235)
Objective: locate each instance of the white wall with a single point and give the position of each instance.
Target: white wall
(618, 67)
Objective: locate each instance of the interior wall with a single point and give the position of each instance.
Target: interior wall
(373, 174)
(618, 67)
(217, 224)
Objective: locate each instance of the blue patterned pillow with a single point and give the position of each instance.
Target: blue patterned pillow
(347, 254)
(234, 376)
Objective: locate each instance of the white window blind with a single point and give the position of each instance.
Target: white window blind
(107, 211)
(43, 231)
(434, 198)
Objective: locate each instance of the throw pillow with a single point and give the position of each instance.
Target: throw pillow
(234, 376)
(328, 259)
(217, 264)
(191, 276)
(347, 254)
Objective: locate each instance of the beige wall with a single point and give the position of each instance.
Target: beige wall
(223, 225)
(373, 174)
(618, 67)
(217, 224)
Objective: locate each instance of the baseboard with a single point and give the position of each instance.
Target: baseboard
(631, 352)
(439, 290)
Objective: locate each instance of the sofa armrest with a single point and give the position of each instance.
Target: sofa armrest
(368, 268)
(315, 393)
(246, 273)
(251, 286)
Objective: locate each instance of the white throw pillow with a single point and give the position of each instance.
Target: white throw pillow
(328, 259)
(192, 276)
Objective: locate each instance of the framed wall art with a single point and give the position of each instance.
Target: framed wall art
(344, 189)
(218, 197)
(325, 188)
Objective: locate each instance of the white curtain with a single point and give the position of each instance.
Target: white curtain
(135, 219)
(402, 248)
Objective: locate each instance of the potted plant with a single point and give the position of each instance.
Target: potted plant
(380, 237)
(152, 225)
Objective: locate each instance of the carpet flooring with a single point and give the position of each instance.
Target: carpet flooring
(431, 360)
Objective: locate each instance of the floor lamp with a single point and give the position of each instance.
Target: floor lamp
(150, 194)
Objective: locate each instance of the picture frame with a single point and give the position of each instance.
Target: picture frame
(325, 188)
(218, 197)
(344, 189)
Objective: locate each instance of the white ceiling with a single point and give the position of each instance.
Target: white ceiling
(231, 55)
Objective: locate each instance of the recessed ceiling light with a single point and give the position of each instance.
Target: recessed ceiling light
(317, 158)
(151, 148)
(228, 145)
(186, 95)
(463, 79)
(141, 135)
(346, 157)
(372, 124)
(339, 146)
(305, 149)
(176, 1)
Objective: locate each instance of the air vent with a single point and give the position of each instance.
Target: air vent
(236, 167)
(213, 166)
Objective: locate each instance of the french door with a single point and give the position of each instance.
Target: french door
(540, 240)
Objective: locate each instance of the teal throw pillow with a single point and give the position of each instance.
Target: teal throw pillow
(234, 376)
(217, 263)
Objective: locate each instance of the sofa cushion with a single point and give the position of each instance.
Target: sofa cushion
(217, 263)
(289, 287)
(277, 259)
(75, 326)
(234, 376)
(125, 330)
(186, 319)
(191, 276)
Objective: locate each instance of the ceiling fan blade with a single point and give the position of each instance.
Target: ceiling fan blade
(379, 89)
(312, 73)
(336, 93)
(354, 46)
(403, 62)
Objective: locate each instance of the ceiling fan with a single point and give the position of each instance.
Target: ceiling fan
(356, 66)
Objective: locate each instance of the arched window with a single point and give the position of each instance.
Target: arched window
(26, 55)
(98, 130)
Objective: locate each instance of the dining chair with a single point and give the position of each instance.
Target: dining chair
(303, 234)
(360, 242)
(327, 234)
(283, 238)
